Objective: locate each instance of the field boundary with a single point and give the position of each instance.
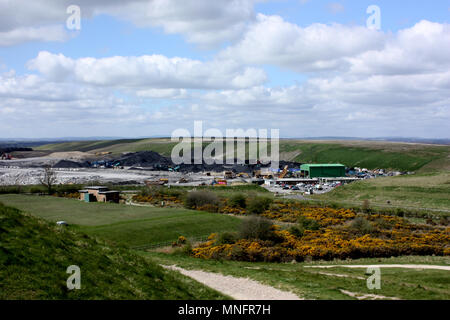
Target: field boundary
(168, 243)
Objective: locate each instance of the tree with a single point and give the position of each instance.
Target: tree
(48, 178)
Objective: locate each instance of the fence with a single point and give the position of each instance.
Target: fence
(169, 243)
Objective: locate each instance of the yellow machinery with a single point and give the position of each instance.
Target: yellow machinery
(283, 173)
(228, 175)
(243, 174)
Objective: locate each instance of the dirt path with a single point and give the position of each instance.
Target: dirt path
(367, 296)
(236, 288)
(405, 266)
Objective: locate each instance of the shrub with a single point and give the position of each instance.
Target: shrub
(444, 221)
(308, 224)
(187, 248)
(366, 206)
(256, 228)
(400, 212)
(227, 238)
(238, 201)
(361, 225)
(259, 204)
(197, 199)
(384, 224)
(297, 231)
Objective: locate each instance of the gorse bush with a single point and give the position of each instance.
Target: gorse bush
(238, 201)
(197, 199)
(256, 228)
(307, 224)
(361, 225)
(227, 238)
(297, 231)
(258, 205)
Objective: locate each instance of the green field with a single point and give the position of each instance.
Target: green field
(371, 155)
(124, 224)
(368, 154)
(162, 146)
(420, 191)
(313, 283)
(35, 254)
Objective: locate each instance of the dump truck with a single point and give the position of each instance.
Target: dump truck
(228, 175)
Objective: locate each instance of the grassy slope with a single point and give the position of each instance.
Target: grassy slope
(124, 224)
(369, 154)
(430, 190)
(162, 146)
(308, 283)
(35, 254)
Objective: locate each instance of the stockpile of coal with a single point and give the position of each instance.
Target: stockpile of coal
(12, 149)
(144, 159)
(217, 167)
(71, 164)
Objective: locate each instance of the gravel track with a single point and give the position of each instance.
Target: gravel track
(405, 266)
(236, 288)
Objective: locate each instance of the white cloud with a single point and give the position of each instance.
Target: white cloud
(27, 34)
(163, 93)
(360, 82)
(423, 48)
(203, 22)
(155, 71)
(271, 40)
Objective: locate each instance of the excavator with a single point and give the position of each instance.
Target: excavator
(283, 173)
(243, 174)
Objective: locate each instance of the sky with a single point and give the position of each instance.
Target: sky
(142, 68)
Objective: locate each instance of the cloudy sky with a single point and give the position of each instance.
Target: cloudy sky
(148, 67)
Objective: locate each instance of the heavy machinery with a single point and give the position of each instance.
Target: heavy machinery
(243, 174)
(263, 173)
(159, 182)
(228, 175)
(283, 173)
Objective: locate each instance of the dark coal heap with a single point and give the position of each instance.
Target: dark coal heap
(144, 159)
(71, 164)
(12, 149)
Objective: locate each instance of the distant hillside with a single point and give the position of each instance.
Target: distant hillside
(368, 154)
(35, 254)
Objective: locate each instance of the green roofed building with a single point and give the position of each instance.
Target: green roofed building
(323, 170)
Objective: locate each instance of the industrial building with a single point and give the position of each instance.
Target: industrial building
(99, 194)
(322, 170)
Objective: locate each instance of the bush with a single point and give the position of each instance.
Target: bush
(361, 225)
(259, 204)
(226, 238)
(366, 206)
(297, 231)
(308, 224)
(196, 199)
(256, 228)
(238, 201)
(399, 212)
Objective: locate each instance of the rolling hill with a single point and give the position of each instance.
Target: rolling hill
(368, 154)
(35, 254)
